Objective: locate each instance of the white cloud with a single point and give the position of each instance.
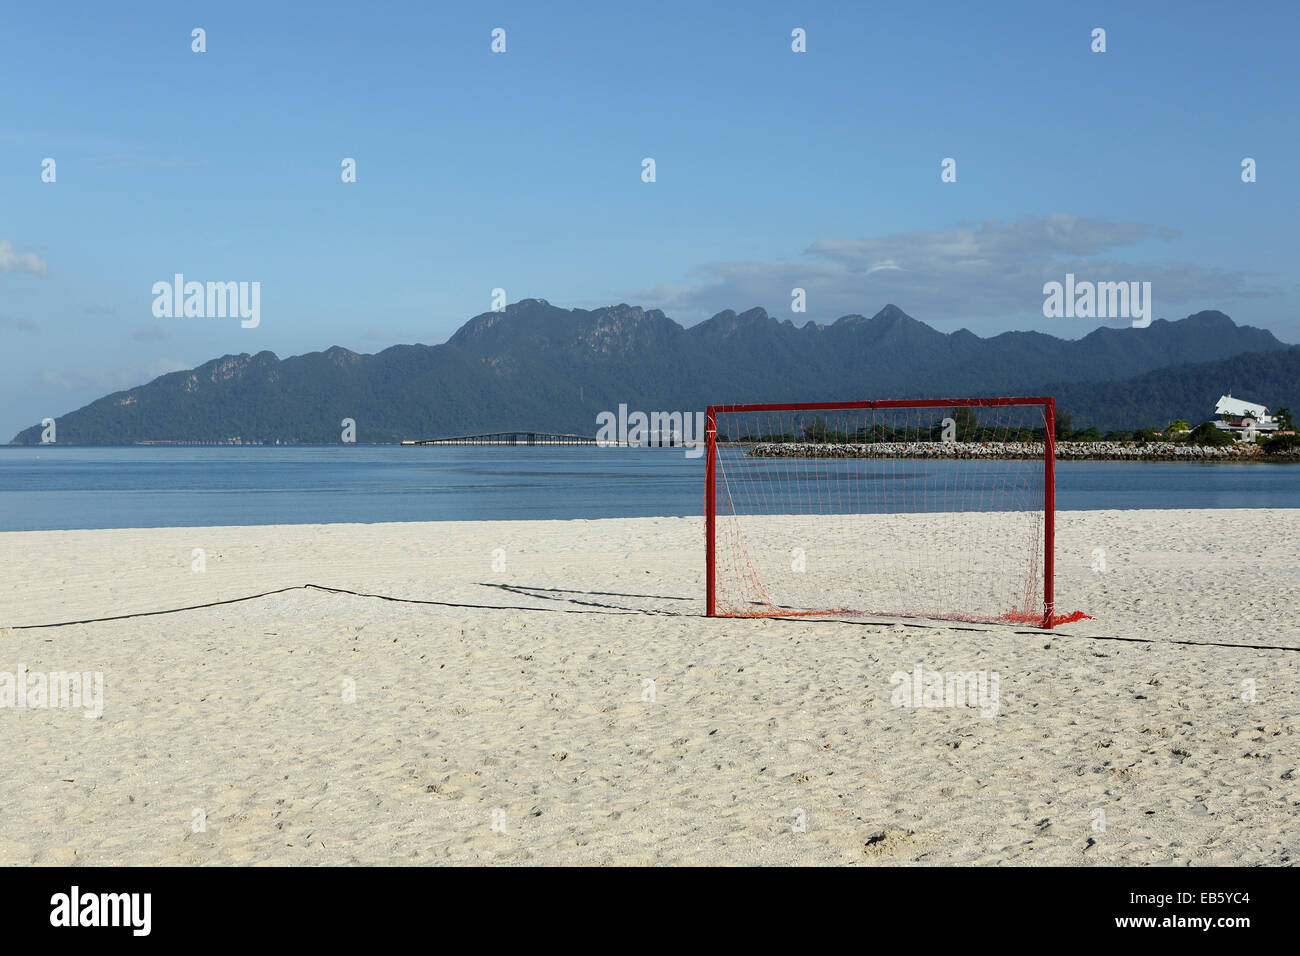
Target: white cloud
(11, 261)
(990, 270)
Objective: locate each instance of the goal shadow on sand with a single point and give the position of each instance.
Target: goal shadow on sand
(664, 604)
(581, 599)
(587, 599)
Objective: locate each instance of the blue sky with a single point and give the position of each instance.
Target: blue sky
(522, 170)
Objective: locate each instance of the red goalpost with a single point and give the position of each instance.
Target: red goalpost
(934, 508)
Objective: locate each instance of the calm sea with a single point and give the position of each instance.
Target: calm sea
(54, 488)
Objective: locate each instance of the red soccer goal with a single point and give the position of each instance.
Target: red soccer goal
(934, 508)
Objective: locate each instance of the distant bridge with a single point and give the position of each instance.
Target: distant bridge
(508, 438)
(653, 440)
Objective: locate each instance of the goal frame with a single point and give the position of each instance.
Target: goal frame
(1048, 404)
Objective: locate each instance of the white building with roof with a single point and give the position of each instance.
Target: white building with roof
(1242, 417)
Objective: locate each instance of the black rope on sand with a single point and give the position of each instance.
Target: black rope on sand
(317, 587)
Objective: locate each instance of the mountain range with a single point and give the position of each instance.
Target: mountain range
(535, 366)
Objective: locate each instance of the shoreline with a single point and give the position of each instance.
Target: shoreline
(1240, 453)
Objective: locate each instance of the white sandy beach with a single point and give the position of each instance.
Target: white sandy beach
(534, 706)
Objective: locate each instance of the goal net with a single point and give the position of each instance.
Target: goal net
(931, 508)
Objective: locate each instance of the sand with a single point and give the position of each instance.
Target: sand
(525, 732)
